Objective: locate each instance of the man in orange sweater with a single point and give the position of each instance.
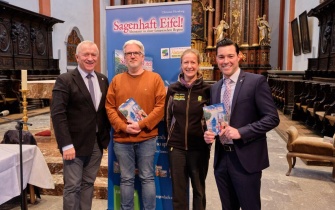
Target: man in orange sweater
(136, 140)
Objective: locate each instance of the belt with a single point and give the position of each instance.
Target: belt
(228, 147)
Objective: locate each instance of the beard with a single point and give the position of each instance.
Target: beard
(135, 64)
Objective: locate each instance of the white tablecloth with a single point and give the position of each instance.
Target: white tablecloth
(35, 170)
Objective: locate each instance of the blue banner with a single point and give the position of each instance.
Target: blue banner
(165, 31)
(163, 28)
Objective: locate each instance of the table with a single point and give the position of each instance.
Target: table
(35, 170)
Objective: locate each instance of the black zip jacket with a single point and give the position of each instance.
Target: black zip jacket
(184, 115)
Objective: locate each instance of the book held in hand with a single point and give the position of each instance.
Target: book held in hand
(132, 111)
(216, 117)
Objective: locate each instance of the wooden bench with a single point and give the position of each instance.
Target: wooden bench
(4, 100)
(331, 119)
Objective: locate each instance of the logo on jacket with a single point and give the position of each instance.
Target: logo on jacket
(179, 97)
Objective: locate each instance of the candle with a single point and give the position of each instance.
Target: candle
(24, 80)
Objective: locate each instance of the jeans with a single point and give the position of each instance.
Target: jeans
(143, 153)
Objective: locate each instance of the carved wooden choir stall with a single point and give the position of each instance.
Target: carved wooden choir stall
(309, 96)
(25, 43)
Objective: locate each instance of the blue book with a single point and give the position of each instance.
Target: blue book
(216, 117)
(132, 111)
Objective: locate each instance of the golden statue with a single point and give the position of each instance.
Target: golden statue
(235, 32)
(221, 30)
(264, 30)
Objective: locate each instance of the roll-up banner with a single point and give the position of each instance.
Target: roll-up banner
(165, 31)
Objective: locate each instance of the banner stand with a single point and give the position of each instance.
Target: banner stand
(165, 31)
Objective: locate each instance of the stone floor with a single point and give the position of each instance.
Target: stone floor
(308, 187)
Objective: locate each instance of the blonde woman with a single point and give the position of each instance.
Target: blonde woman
(188, 152)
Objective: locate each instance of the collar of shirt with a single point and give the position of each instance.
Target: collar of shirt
(234, 77)
(96, 85)
(84, 73)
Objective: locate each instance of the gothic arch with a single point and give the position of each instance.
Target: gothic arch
(73, 39)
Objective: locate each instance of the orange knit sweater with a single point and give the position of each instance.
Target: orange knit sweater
(148, 91)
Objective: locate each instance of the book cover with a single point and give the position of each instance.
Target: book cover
(119, 62)
(216, 117)
(132, 111)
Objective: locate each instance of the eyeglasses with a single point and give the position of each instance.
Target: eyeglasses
(129, 54)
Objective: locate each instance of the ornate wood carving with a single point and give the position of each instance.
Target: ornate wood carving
(25, 42)
(324, 65)
(241, 16)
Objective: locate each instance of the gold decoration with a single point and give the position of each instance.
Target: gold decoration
(25, 112)
(243, 56)
(236, 28)
(205, 66)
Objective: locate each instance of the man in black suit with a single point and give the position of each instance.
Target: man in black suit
(81, 125)
(241, 149)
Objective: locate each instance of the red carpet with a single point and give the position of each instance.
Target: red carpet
(43, 133)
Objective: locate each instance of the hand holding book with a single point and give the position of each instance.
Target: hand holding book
(132, 111)
(216, 117)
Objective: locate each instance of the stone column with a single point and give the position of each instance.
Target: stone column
(254, 13)
(218, 15)
(245, 26)
(210, 26)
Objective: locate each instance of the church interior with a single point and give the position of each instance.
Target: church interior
(291, 42)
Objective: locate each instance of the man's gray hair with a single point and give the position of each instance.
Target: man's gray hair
(138, 43)
(86, 42)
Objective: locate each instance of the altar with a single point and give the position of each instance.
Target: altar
(41, 89)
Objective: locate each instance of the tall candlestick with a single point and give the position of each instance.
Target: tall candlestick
(24, 105)
(24, 85)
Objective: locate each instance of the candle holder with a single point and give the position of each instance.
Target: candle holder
(25, 112)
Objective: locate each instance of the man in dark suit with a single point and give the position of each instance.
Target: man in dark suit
(241, 149)
(81, 125)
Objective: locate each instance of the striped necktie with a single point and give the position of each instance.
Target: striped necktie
(226, 102)
(91, 87)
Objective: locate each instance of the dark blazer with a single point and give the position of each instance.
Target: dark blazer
(73, 114)
(253, 113)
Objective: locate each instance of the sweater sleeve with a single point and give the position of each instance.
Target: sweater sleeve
(117, 123)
